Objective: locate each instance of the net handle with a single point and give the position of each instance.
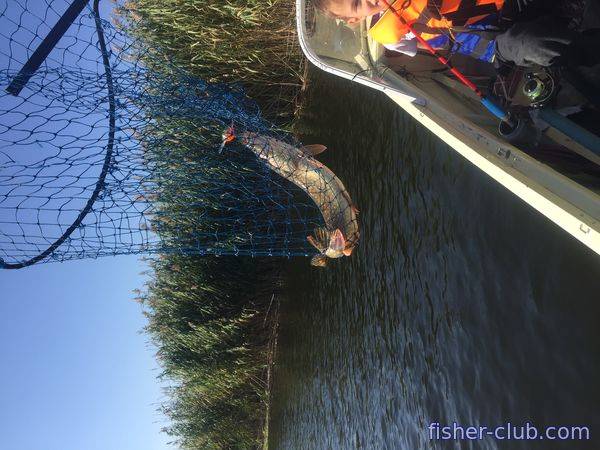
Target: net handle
(46, 46)
(107, 159)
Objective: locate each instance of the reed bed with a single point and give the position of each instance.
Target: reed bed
(210, 320)
(210, 317)
(250, 42)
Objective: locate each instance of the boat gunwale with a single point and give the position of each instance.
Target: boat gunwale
(571, 206)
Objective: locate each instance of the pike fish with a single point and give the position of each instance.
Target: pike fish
(298, 165)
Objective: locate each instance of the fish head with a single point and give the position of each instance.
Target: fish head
(330, 244)
(337, 244)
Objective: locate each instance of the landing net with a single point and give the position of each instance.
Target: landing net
(108, 150)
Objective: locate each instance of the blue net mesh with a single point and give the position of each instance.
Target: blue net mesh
(106, 151)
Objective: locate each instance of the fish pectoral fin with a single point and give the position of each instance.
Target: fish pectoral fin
(314, 149)
(318, 261)
(355, 209)
(312, 241)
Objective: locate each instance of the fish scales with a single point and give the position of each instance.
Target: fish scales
(317, 180)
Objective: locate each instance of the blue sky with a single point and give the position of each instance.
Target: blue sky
(77, 374)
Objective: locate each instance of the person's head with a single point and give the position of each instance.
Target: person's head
(350, 11)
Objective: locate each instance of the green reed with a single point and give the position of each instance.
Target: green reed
(209, 320)
(209, 317)
(252, 42)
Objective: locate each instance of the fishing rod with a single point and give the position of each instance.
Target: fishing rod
(491, 106)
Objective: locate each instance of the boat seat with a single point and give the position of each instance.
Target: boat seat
(423, 63)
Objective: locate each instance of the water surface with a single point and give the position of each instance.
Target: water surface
(461, 303)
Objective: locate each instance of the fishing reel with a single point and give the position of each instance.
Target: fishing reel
(522, 91)
(528, 88)
(539, 87)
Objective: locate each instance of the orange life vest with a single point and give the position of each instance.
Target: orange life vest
(441, 14)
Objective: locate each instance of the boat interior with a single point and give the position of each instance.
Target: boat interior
(423, 80)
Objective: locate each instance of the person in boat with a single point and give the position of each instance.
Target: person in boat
(524, 33)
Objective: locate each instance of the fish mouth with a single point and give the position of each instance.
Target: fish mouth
(337, 241)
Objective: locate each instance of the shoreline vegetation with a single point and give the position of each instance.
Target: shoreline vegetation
(251, 43)
(214, 320)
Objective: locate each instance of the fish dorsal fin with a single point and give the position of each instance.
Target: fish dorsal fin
(318, 261)
(314, 149)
